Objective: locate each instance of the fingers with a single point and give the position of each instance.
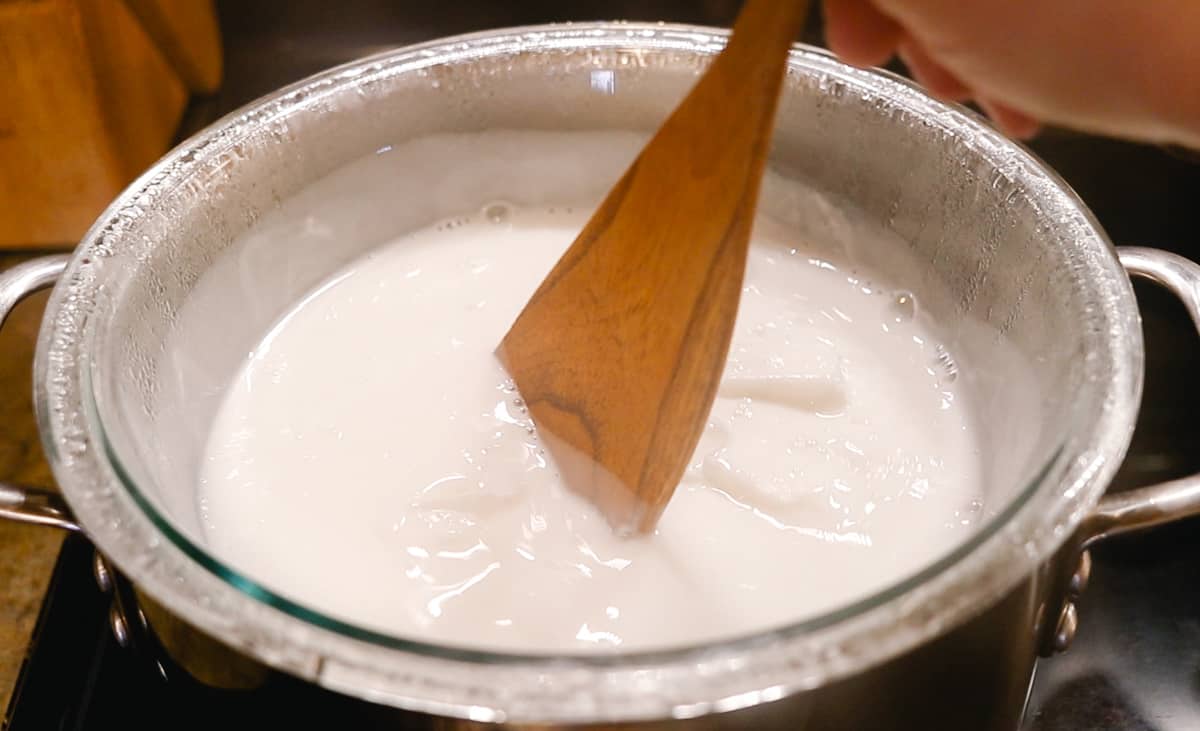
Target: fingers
(1012, 122)
(931, 74)
(859, 33)
(942, 83)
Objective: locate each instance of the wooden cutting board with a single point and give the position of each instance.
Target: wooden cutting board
(91, 92)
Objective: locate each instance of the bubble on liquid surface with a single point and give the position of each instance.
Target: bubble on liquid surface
(903, 307)
(497, 212)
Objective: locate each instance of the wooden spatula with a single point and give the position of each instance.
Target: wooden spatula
(619, 352)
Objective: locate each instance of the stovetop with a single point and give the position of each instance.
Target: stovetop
(1135, 663)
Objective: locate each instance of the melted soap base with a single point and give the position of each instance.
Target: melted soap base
(372, 461)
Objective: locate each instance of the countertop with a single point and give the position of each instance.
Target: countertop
(1141, 195)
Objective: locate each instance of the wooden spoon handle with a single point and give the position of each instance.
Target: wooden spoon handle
(620, 350)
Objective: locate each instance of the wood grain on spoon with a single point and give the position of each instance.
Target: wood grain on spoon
(619, 352)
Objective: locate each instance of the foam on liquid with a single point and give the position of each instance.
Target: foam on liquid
(372, 461)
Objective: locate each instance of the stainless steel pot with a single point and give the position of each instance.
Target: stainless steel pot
(1008, 260)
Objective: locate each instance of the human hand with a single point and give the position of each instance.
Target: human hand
(1128, 68)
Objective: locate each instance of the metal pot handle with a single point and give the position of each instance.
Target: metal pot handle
(28, 504)
(1169, 501)
(1130, 510)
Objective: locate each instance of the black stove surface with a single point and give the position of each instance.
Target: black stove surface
(1135, 664)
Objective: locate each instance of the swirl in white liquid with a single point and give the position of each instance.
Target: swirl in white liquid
(371, 462)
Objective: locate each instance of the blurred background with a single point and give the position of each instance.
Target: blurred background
(93, 91)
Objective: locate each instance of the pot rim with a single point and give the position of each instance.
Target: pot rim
(492, 686)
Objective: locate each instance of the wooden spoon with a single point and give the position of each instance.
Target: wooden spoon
(619, 352)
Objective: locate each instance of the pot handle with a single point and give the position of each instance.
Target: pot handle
(1169, 501)
(28, 504)
(1130, 510)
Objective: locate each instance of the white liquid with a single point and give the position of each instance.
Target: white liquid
(370, 462)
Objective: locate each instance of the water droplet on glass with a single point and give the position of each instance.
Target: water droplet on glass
(946, 362)
(904, 307)
(497, 212)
